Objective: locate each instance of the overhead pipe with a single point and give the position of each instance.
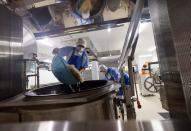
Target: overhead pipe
(131, 73)
(131, 31)
(128, 93)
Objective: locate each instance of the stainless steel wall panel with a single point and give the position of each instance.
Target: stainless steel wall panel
(11, 56)
(180, 18)
(9, 117)
(96, 110)
(167, 58)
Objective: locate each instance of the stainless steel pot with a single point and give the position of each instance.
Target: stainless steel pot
(93, 102)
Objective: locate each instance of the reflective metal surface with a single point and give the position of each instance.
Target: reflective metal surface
(100, 126)
(54, 102)
(63, 89)
(97, 107)
(101, 109)
(11, 65)
(169, 69)
(21, 100)
(132, 30)
(29, 43)
(181, 30)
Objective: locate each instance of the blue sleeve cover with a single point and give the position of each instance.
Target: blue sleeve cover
(65, 51)
(114, 73)
(126, 78)
(85, 61)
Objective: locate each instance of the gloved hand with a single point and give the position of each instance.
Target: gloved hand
(75, 72)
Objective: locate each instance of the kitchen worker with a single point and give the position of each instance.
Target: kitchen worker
(76, 56)
(113, 73)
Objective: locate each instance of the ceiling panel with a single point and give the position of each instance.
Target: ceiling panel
(102, 39)
(146, 42)
(105, 41)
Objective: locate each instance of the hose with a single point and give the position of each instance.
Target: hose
(138, 102)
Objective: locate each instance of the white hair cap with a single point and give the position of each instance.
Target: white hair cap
(81, 42)
(103, 68)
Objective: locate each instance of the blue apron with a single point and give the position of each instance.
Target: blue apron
(76, 60)
(126, 79)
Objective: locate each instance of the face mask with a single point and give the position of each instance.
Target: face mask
(79, 53)
(80, 49)
(108, 76)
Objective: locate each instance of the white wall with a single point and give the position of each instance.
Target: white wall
(140, 61)
(146, 49)
(46, 77)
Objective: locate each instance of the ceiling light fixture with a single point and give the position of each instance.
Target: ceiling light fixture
(48, 61)
(152, 49)
(146, 55)
(109, 29)
(45, 41)
(143, 27)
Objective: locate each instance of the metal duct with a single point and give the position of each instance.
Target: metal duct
(108, 53)
(11, 56)
(109, 58)
(110, 61)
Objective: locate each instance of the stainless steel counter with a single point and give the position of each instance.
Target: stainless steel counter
(100, 126)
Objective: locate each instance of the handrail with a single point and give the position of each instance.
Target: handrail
(131, 31)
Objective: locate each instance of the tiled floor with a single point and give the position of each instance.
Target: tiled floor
(151, 106)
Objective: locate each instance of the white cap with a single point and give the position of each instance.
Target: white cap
(81, 42)
(103, 68)
(55, 51)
